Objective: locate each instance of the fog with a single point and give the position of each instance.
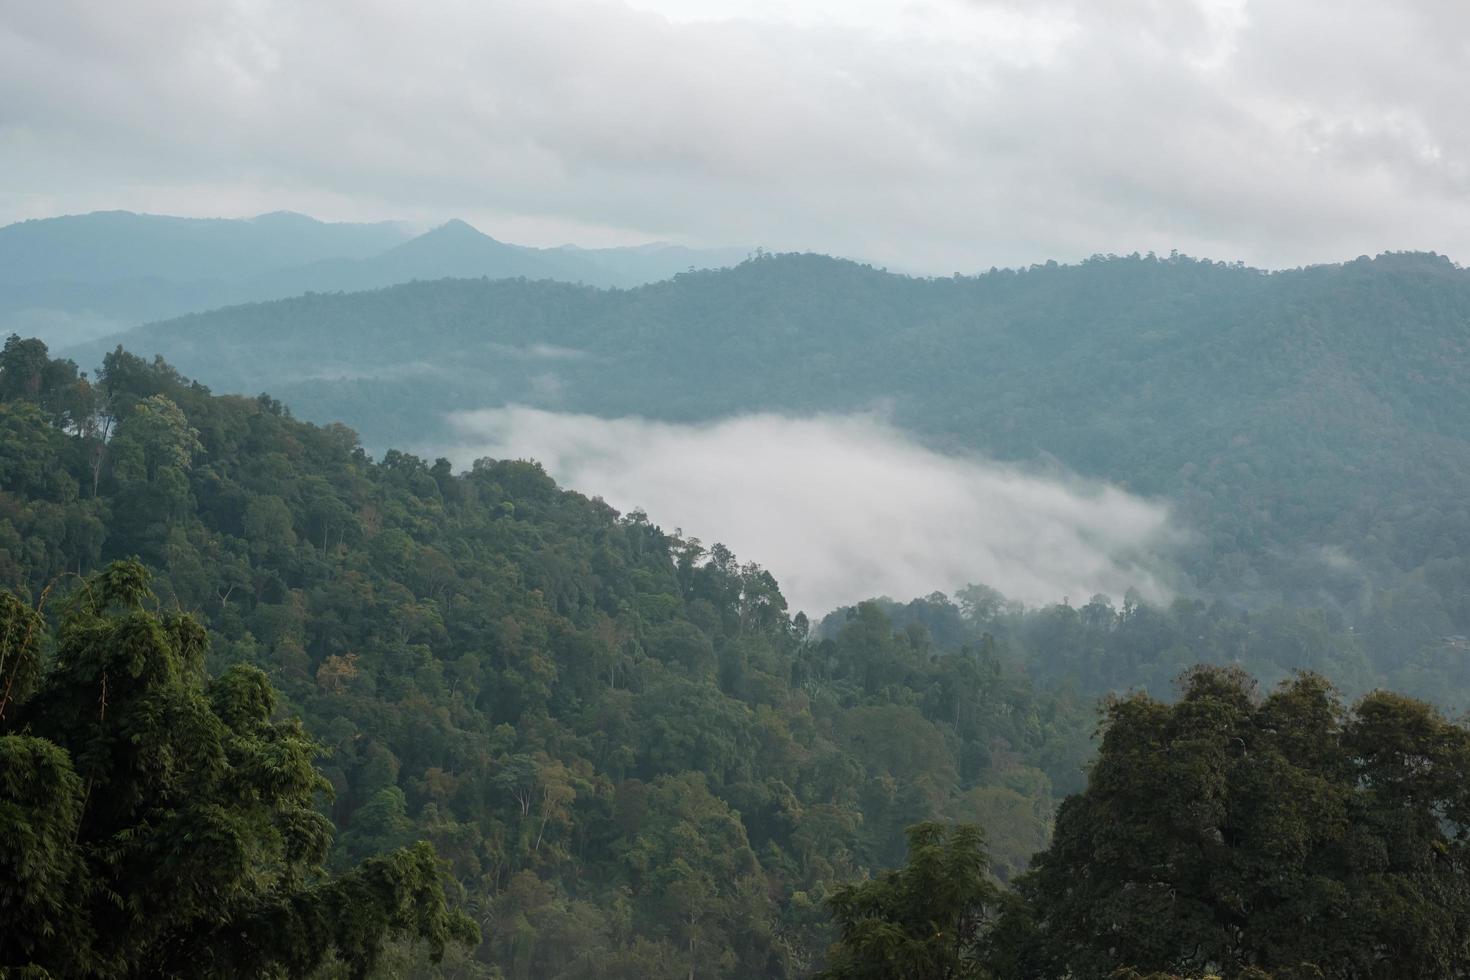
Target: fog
(842, 508)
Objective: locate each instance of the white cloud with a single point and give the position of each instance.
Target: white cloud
(931, 134)
(843, 508)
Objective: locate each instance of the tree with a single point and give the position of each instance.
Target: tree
(268, 527)
(160, 438)
(153, 823)
(694, 869)
(23, 365)
(1229, 833)
(925, 921)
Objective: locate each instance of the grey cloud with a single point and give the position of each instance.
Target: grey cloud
(951, 134)
(842, 508)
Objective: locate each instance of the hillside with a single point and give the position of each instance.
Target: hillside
(635, 758)
(1310, 424)
(560, 698)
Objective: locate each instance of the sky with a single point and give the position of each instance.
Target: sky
(844, 508)
(930, 136)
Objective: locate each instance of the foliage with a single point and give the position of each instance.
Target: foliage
(925, 921)
(636, 762)
(1308, 424)
(633, 757)
(1234, 833)
(1099, 647)
(155, 824)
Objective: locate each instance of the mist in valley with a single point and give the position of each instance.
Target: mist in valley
(698, 490)
(843, 508)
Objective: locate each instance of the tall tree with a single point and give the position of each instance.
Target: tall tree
(925, 921)
(156, 824)
(1230, 833)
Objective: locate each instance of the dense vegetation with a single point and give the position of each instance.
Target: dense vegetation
(932, 919)
(636, 763)
(1309, 425)
(627, 750)
(1231, 833)
(1227, 834)
(155, 826)
(1099, 647)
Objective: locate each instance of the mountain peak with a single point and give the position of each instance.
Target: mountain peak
(454, 228)
(455, 248)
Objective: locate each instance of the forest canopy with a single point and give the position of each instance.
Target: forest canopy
(157, 824)
(633, 758)
(1307, 426)
(634, 761)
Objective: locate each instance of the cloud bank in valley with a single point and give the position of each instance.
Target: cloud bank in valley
(842, 508)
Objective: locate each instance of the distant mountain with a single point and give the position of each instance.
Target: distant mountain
(71, 279)
(453, 250)
(658, 260)
(1313, 424)
(115, 246)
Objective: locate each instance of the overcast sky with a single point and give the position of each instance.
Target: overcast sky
(936, 135)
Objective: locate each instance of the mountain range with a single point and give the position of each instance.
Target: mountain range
(602, 727)
(73, 278)
(1310, 426)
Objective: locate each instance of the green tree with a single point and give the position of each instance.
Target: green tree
(155, 824)
(268, 527)
(1228, 833)
(925, 921)
(158, 438)
(23, 367)
(694, 869)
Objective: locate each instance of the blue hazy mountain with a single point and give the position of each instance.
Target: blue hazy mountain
(1281, 413)
(71, 279)
(118, 246)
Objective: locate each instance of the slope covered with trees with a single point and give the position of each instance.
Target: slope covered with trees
(633, 759)
(636, 762)
(1100, 647)
(1310, 424)
(1234, 834)
(155, 825)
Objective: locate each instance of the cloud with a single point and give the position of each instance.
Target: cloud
(843, 508)
(937, 135)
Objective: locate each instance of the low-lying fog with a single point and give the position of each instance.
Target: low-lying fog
(842, 508)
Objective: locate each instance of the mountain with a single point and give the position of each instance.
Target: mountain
(72, 279)
(1312, 425)
(454, 249)
(76, 277)
(611, 735)
(115, 246)
(658, 260)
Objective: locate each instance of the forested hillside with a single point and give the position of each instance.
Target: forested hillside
(157, 821)
(781, 496)
(636, 762)
(1309, 425)
(622, 742)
